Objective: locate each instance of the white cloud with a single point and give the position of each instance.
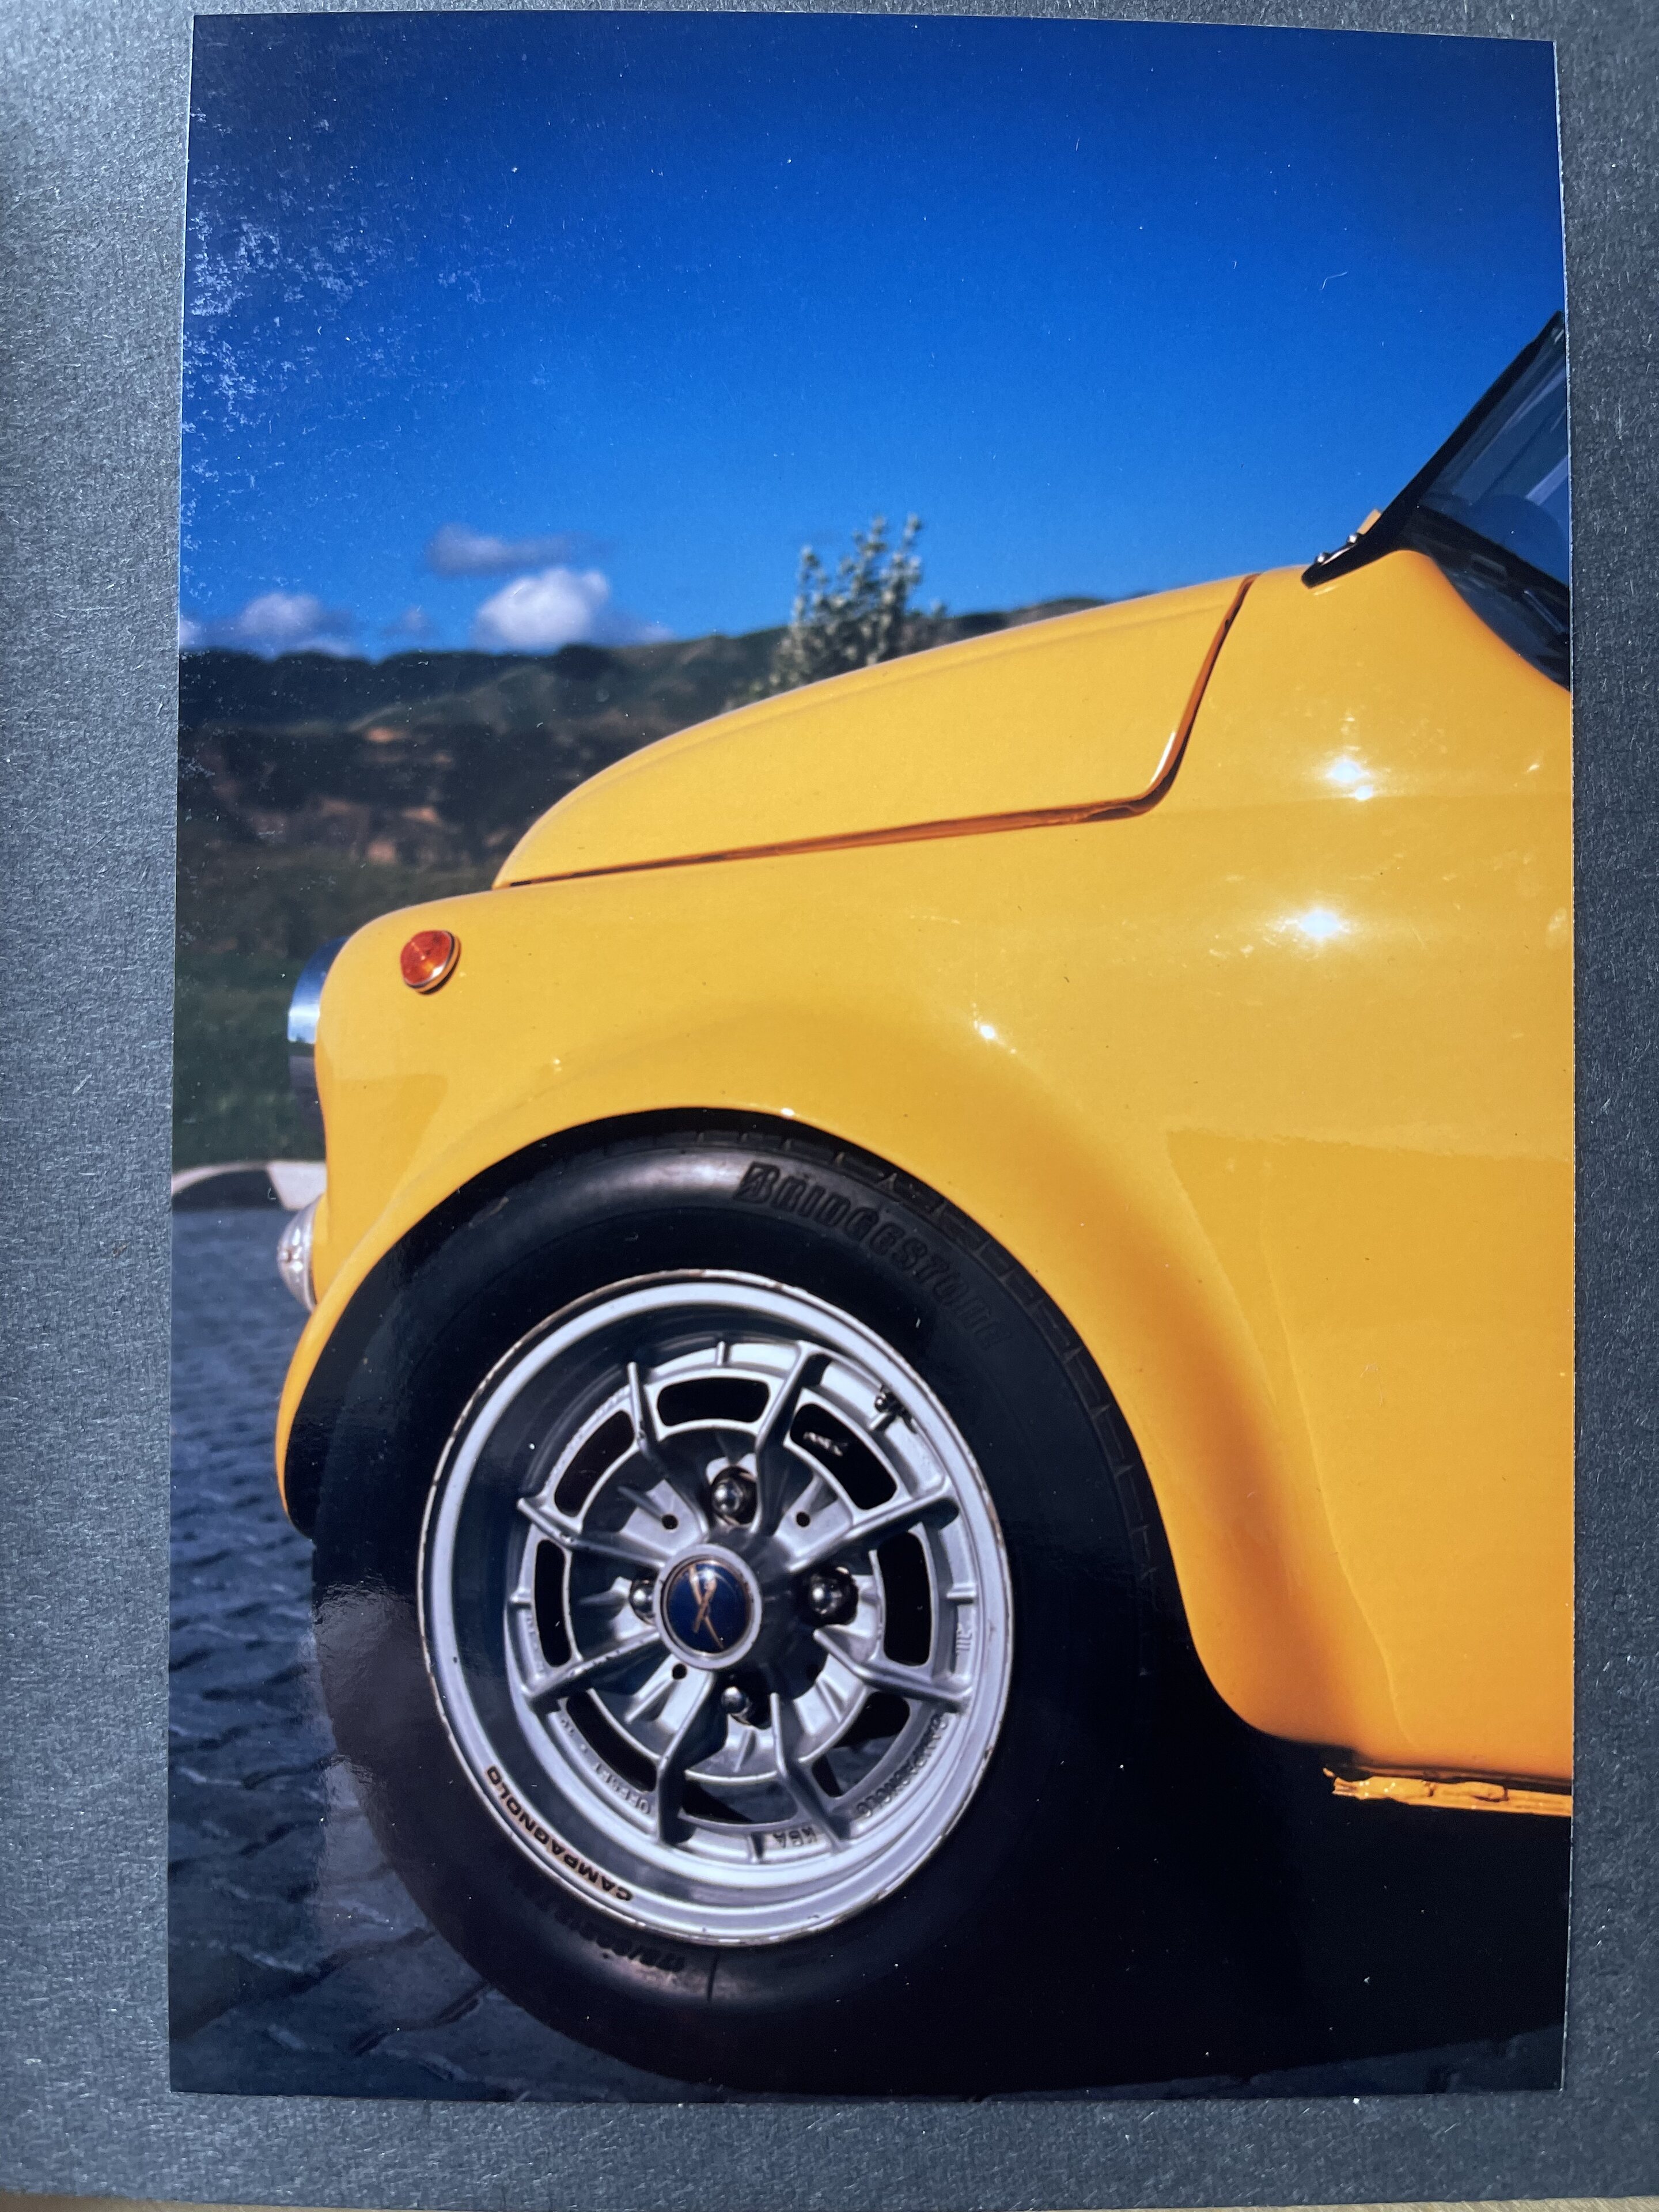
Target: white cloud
(457, 550)
(273, 622)
(286, 622)
(538, 614)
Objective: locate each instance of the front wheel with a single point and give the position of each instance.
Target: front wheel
(717, 1607)
(732, 1595)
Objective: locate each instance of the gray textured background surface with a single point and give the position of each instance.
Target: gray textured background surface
(93, 112)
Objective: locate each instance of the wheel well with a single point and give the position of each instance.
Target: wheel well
(325, 1391)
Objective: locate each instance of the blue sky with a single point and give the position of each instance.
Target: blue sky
(509, 329)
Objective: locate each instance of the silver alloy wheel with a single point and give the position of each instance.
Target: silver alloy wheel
(715, 1604)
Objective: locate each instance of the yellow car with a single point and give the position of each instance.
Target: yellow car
(908, 1203)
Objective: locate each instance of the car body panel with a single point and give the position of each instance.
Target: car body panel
(1269, 1087)
(1084, 712)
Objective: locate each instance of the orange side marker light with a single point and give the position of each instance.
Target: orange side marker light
(429, 958)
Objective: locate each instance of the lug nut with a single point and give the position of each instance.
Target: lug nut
(640, 1592)
(829, 1594)
(732, 1496)
(734, 1699)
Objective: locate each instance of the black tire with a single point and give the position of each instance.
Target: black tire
(1007, 1961)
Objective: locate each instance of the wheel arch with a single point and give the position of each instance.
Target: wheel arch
(372, 1298)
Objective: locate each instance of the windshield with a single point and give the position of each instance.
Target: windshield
(1509, 483)
(1493, 509)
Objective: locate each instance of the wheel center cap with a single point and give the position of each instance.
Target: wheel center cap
(710, 1609)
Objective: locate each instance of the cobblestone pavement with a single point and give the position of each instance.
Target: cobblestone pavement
(299, 1965)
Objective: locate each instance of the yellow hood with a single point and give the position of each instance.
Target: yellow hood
(1057, 721)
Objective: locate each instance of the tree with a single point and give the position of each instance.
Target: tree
(862, 616)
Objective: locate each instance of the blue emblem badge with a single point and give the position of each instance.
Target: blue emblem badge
(705, 1607)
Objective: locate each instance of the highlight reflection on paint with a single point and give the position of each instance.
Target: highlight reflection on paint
(1318, 925)
(1350, 776)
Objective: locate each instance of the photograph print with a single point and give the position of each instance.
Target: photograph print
(875, 891)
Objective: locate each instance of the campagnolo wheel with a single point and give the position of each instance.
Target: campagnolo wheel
(715, 1602)
(730, 1604)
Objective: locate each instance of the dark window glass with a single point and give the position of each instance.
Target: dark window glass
(1509, 483)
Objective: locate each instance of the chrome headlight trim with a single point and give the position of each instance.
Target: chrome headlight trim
(302, 1011)
(294, 1254)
